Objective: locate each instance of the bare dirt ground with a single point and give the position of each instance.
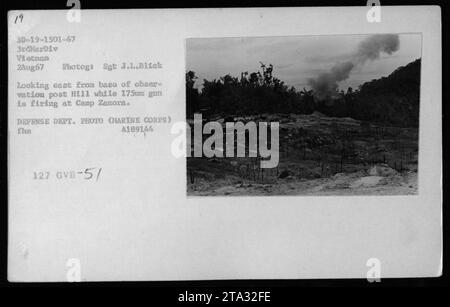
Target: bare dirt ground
(357, 183)
(319, 155)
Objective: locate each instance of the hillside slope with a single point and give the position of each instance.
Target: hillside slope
(393, 99)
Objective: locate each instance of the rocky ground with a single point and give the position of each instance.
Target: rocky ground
(319, 155)
(357, 183)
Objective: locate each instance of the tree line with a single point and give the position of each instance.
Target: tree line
(391, 100)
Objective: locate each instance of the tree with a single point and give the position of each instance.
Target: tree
(191, 93)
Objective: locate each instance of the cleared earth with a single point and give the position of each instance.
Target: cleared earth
(319, 155)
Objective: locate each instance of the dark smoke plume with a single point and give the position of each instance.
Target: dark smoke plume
(326, 84)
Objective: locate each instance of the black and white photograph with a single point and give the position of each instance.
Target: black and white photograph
(223, 152)
(346, 109)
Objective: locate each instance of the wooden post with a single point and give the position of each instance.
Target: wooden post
(191, 176)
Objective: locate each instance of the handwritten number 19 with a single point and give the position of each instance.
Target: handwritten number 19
(19, 18)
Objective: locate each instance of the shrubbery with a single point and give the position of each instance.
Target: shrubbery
(392, 100)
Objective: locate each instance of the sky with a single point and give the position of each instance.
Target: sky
(295, 58)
